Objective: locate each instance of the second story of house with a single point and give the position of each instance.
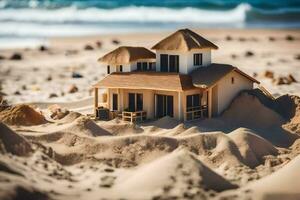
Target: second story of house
(181, 52)
(127, 59)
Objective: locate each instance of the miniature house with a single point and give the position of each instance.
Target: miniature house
(179, 80)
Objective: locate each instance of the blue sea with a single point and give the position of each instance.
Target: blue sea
(26, 21)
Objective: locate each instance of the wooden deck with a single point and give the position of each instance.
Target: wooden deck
(134, 116)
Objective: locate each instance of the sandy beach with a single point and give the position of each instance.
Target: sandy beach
(249, 152)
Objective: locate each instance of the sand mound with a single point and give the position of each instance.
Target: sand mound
(165, 122)
(289, 106)
(70, 117)
(21, 192)
(12, 142)
(86, 126)
(22, 115)
(215, 147)
(118, 127)
(284, 181)
(181, 169)
(247, 111)
(252, 147)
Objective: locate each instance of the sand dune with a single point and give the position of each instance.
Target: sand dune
(12, 142)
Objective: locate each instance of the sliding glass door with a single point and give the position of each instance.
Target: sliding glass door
(135, 102)
(164, 106)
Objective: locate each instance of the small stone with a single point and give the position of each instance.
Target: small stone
(24, 87)
(233, 56)
(49, 78)
(17, 93)
(73, 89)
(99, 44)
(88, 47)
(76, 75)
(115, 41)
(249, 54)
(297, 57)
(271, 39)
(289, 38)
(241, 39)
(269, 74)
(43, 48)
(16, 56)
(228, 38)
(53, 95)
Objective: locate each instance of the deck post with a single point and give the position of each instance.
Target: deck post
(179, 106)
(95, 100)
(209, 102)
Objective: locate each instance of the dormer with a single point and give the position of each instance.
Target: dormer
(182, 52)
(127, 59)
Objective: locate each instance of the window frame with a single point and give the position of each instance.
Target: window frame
(198, 59)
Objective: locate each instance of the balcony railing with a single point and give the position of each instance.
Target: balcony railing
(196, 112)
(134, 116)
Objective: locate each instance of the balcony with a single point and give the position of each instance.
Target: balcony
(196, 112)
(137, 116)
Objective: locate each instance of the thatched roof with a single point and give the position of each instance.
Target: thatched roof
(126, 54)
(205, 77)
(147, 80)
(184, 40)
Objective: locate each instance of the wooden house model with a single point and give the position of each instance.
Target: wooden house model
(178, 80)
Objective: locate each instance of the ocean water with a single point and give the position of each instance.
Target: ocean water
(25, 22)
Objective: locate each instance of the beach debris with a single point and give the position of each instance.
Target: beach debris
(53, 95)
(76, 75)
(241, 39)
(290, 38)
(254, 74)
(88, 47)
(297, 57)
(99, 44)
(73, 89)
(16, 56)
(228, 38)
(116, 41)
(233, 56)
(249, 54)
(57, 112)
(269, 74)
(49, 78)
(269, 63)
(24, 87)
(22, 115)
(17, 93)
(271, 38)
(43, 48)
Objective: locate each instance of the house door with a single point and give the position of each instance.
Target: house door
(164, 106)
(135, 102)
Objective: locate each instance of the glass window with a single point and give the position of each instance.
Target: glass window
(197, 59)
(145, 66)
(139, 66)
(108, 69)
(121, 68)
(173, 63)
(164, 62)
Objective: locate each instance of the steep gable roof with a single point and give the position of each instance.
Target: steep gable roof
(205, 77)
(184, 40)
(126, 54)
